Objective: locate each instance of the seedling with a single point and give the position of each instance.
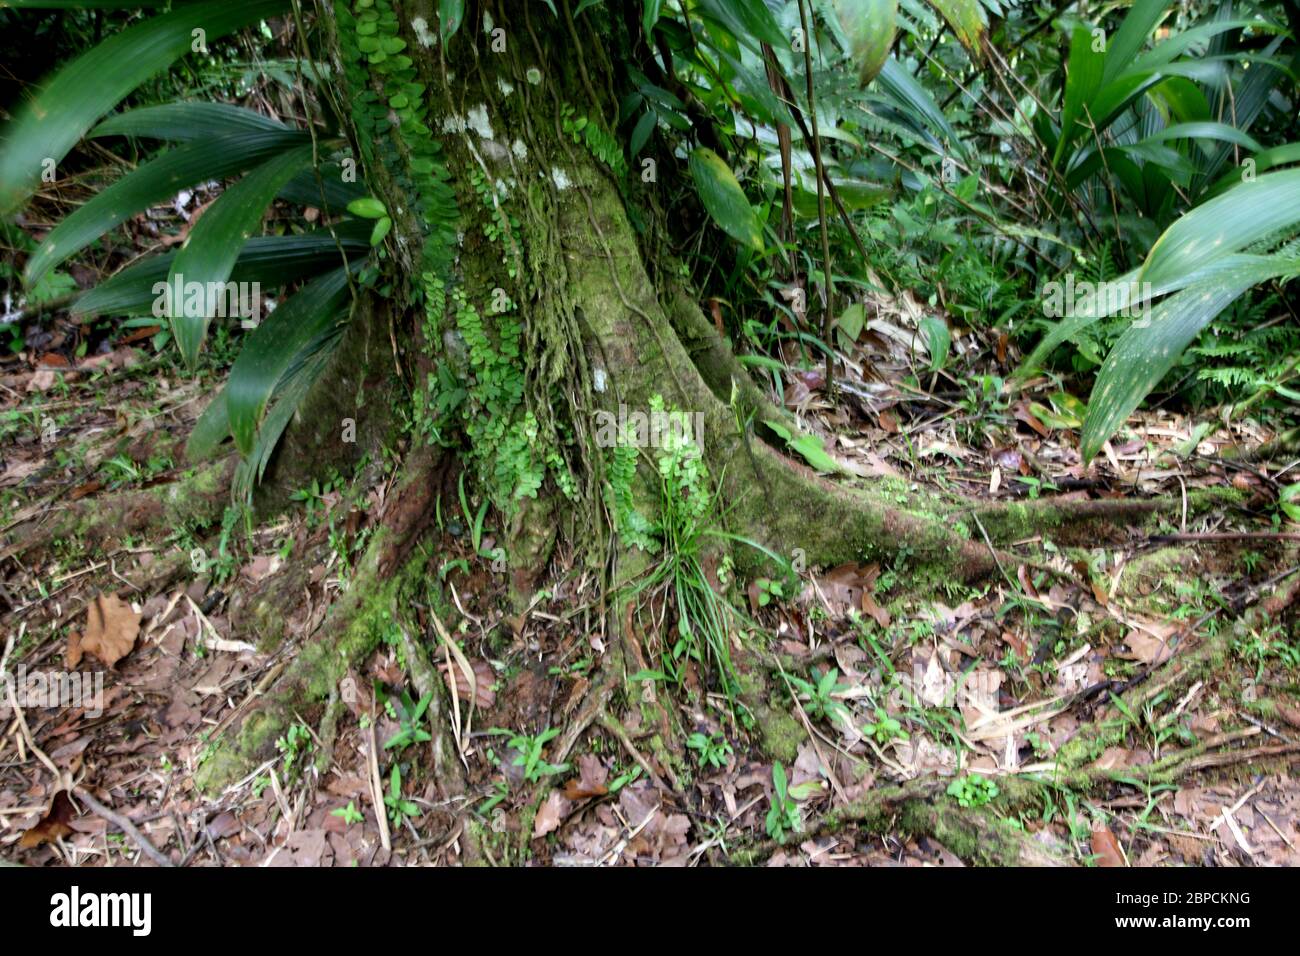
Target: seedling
(885, 728)
(398, 809)
(530, 753)
(410, 715)
(711, 750)
(783, 817)
(819, 698)
(350, 814)
(972, 790)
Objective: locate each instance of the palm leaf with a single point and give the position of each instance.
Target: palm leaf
(1147, 350)
(270, 261)
(1226, 224)
(272, 348)
(155, 181)
(213, 245)
(181, 122)
(67, 106)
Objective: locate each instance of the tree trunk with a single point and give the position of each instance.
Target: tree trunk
(531, 264)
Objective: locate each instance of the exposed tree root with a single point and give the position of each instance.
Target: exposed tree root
(1184, 668)
(1093, 521)
(921, 808)
(198, 498)
(353, 629)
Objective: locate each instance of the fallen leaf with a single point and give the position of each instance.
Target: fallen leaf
(111, 630)
(551, 814)
(484, 678)
(590, 782)
(1147, 649)
(53, 825)
(1106, 847)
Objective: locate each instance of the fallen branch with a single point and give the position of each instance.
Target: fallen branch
(125, 825)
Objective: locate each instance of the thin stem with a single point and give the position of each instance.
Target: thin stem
(815, 145)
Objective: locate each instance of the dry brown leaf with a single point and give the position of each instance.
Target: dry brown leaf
(55, 823)
(1106, 847)
(110, 633)
(551, 814)
(484, 678)
(1147, 649)
(591, 779)
(849, 585)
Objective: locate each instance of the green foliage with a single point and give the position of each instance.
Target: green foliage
(294, 745)
(502, 434)
(711, 750)
(818, 695)
(885, 728)
(601, 144)
(49, 125)
(783, 816)
(399, 808)
(531, 750)
(973, 790)
(410, 715)
(350, 814)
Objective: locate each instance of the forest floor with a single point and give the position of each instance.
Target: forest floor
(977, 684)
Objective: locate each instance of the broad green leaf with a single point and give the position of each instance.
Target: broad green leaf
(644, 127)
(212, 248)
(154, 182)
(382, 227)
(304, 189)
(367, 207)
(851, 321)
(869, 26)
(748, 21)
(784, 433)
(181, 122)
(1273, 158)
(272, 348)
(723, 198)
(289, 394)
(650, 15)
(1137, 25)
(966, 17)
(450, 15)
(1082, 80)
(270, 261)
(938, 340)
(1178, 43)
(1205, 130)
(1240, 217)
(810, 448)
(66, 106)
(80, 4)
(1289, 501)
(1151, 347)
